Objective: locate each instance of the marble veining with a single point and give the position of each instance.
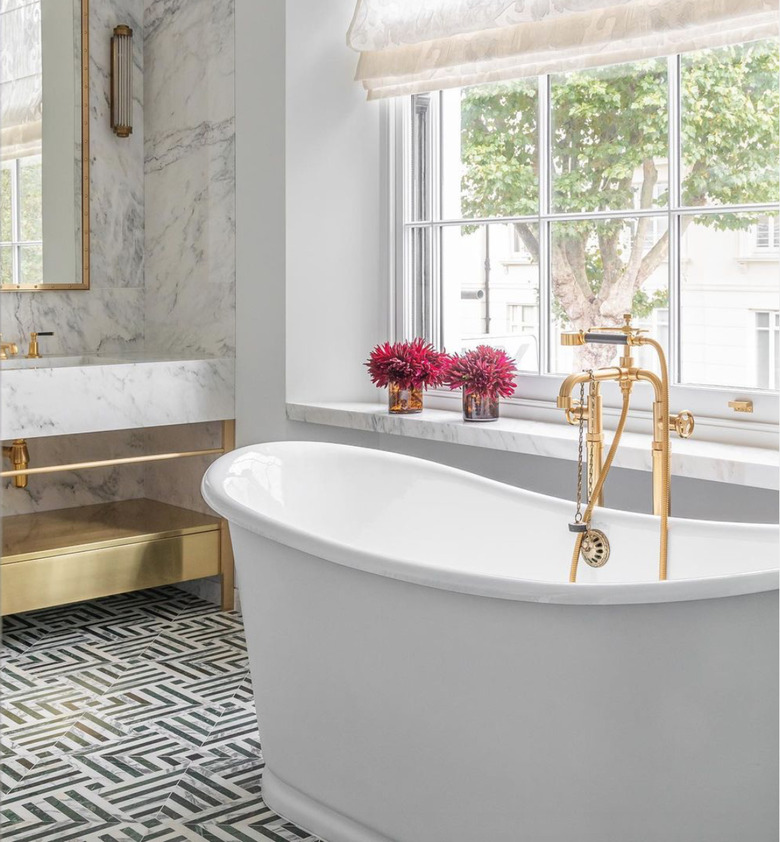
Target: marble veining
(733, 464)
(82, 488)
(93, 398)
(163, 271)
(189, 155)
(111, 313)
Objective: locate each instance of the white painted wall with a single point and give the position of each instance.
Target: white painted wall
(335, 279)
(310, 282)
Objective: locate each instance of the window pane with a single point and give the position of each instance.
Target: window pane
(724, 303)
(419, 293)
(600, 270)
(774, 383)
(490, 150)
(610, 138)
(6, 264)
(5, 205)
(730, 113)
(31, 268)
(30, 204)
(491, 290)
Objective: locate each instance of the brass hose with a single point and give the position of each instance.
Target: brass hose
(600, 483)
(665, 456)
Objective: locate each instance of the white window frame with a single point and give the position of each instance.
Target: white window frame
(16, 243)
(772, 330)
(773, 236)
(536, 393)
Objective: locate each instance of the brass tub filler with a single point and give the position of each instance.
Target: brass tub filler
(591, 543)
(69, 555)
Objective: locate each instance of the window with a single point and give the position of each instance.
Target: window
(767, 370)
(21, 234)
(538, 206)
(766, 235)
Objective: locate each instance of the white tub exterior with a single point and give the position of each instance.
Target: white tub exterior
(425, 673)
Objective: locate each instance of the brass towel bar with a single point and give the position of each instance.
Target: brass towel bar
(107, 463)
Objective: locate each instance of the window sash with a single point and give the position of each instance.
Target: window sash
(707, 401)
(16, 243)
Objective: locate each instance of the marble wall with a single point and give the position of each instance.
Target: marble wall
(163, 239)
(189, 152)
(108, 317)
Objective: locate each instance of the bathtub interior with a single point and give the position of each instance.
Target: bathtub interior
(412, 511)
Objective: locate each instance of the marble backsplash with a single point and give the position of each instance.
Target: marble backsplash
(162, 207)
(189, 153)
(64, 490)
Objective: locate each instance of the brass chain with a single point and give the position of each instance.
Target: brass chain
(578, 516)
(591, 404)
(580, 444)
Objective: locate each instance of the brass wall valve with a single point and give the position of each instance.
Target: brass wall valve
(683, 424)
(19, 456)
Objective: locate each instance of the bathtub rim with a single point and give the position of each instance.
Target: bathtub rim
(475, 583)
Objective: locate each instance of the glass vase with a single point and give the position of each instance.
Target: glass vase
(478, 407)
(403, 401)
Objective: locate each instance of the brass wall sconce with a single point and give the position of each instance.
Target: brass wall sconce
(122, 81)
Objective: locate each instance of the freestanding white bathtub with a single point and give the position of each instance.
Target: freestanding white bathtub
(425, 673)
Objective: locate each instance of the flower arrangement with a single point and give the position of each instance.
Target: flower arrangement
(484, 374)
(412, 365)
(406, 368)
(483, 371)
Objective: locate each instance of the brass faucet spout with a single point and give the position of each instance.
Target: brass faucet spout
(573, 380)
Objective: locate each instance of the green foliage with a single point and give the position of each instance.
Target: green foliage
(609, 125)
(643, 304)
(500, 155)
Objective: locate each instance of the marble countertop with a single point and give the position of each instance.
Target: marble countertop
(736, 464)
(113, 393)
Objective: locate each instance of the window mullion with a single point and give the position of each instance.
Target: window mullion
(545, 181)
(674, 70)
(16, 235)
(434, 325)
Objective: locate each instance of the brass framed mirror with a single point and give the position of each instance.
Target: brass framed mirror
(44, 146)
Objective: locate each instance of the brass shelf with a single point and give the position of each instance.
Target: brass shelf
(68, 555)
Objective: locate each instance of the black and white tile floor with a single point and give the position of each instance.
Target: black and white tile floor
(131, 719)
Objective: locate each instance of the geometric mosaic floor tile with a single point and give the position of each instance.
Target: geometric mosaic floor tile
(74, 832)
(131, 719)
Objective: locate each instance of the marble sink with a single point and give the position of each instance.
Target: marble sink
(55, 396)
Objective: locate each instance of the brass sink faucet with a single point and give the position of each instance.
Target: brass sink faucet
(33, 352)
(590, 413)
(7, 348)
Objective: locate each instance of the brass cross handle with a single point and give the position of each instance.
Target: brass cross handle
(683, 424)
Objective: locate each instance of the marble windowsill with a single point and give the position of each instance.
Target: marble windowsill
(736, 464)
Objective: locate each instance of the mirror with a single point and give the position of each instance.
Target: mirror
(44, 145)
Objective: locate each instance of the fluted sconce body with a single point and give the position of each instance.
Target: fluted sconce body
(122, 81)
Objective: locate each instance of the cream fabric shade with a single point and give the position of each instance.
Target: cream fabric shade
(410, 46)
(21, 79)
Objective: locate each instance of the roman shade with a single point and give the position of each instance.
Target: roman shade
(411, 46)
(21, 79)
